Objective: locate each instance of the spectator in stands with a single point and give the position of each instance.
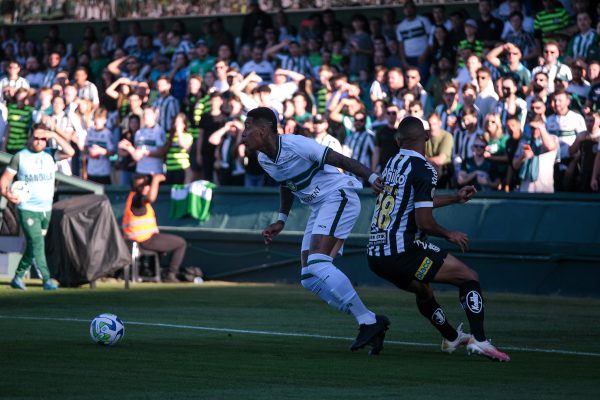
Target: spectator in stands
(53, 68)
(99, 146)
(12, 81)
(534, 159)
(512, 66)
(139, 223)
(210, 122)
(489, 28)
(35, 167)
(495, 150)
(464, 138)
(487, 97)
(551, 19)
(450, 109)
(515, 33)
(438, 150)
(552, 66)
(360, 144)
(412, 34)
(476, 170)
(86, 90)
(360, 46)
(510, 104)
(581, 43)
(166, 105)
(177, 158)
(148, 147)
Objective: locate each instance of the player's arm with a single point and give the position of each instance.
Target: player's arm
(286, 200)
(428, 224)
(348, 164)
(462, 196)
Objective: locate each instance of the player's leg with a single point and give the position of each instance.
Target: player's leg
(434, 313)
(29, 225)
(455, 272)
(336, 217)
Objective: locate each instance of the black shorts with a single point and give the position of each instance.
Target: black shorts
(420, 262)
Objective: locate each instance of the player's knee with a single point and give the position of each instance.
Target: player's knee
(423, 292)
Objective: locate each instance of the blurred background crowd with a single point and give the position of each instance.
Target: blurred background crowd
(511, 89)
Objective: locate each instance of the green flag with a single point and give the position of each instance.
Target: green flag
(192, 199)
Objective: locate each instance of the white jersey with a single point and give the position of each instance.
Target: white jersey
(300, 165)
(566, 127)
(329, 141)
(99, 166)
(151, 139)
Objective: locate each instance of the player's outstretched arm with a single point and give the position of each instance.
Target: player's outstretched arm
(286, 200)
(428, 224)
(347, 164)
(465, 194)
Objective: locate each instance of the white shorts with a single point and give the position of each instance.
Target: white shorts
(333, 216)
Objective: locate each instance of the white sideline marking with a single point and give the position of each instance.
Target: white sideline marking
(303, 335)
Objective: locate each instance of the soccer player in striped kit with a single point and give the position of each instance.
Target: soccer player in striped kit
(399, 252)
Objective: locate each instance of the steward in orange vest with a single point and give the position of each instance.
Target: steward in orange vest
(139, 223)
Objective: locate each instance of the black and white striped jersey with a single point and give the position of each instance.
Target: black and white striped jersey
(409, 183)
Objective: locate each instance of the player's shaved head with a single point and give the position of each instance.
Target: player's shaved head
(263, 115)
(412, 130)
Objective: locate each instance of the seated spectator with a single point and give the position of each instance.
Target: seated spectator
(139, 223)
(477, 171)
(534, 159)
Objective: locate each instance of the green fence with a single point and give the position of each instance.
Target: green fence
(519, 242)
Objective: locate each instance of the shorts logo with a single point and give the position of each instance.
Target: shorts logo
(438, 317)
(424, 268)
(474, 302)
(433, 247)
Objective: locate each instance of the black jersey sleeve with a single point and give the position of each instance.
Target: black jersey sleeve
(424, 181)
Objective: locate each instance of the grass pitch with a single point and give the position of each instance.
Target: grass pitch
(56, 359)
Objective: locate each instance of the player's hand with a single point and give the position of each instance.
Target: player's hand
(460, 239)
(466, 193)
(271, 231)
(13, 198)
(377, 185)
(594, 185)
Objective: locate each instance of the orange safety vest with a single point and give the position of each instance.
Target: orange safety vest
(139, 228)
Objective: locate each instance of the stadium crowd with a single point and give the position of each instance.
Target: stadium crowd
(511, 94)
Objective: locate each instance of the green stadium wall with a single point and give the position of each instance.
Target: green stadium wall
(523, 243)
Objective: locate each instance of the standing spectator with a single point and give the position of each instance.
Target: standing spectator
(510, 104)
(386, 145)
(489, 28)
(551, 20)
(360, 144)
(126, 164)
(521, 38)
(177, 159)
(99, 146)
(539, 88)
(221, 85)
(438, 150)
(412, 34)
(534, 159)
(259, 65)
(580, 44)
(496, 146)
(512, 67)
(449, 111)
(12, 81)
(167, 105)
(361, 46)
(210, 122)
(477, 171)
(255, 17)
(179, 76)
(34, 75)
(148, 147)
(228, 165)
(53, 68)
(593, 100)
(321, 135)
(36, 168)
(20, 118)
(85, 89)
(464, 138)
(470, 45)
(552, 67)
(202, 61)
(295, 61)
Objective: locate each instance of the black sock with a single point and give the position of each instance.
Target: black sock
(434, 313)
(472, 302)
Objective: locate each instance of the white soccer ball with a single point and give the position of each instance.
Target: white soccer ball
(107, 329)
(21, 190)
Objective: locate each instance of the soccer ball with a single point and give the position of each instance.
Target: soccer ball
(21, 190)
(107, 329)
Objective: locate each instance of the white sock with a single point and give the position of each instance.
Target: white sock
(320, 276)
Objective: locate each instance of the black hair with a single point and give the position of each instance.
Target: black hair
(410, 129)
(264, 114)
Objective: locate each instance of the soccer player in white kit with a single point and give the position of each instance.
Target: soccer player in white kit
(308, 170)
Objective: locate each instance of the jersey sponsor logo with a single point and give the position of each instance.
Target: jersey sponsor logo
(434, 175)
(424, 268)
(377, 239)
(438, 317)
(474, 302)
(310, 197)
(393, 177)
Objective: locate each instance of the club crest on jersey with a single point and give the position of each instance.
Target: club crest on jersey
(438, 317)
(474, 302)
(291, 185)
(423, 268)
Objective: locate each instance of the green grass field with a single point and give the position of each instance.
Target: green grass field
(244, 359)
